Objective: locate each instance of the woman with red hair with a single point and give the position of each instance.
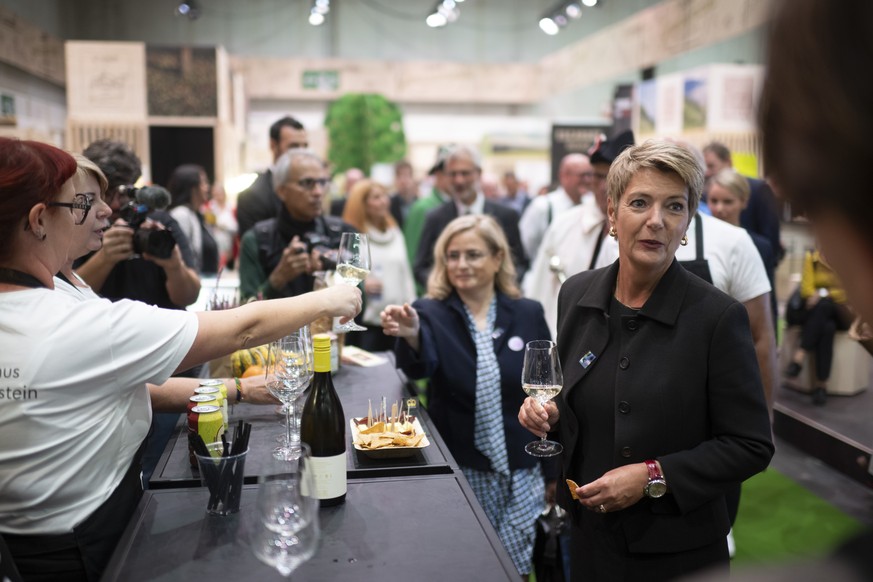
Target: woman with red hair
(75, 407)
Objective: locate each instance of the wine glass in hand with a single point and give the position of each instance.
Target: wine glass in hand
(542, 380)
(353, 266)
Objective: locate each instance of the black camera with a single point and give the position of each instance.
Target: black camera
(325, 245)
(144, 201)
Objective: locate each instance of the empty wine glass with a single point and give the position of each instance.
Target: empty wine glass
(282, 409)
(287, 375)
(542, 380)
(287, 530)
(353, 266)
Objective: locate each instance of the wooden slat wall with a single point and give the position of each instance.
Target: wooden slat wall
(81, 134)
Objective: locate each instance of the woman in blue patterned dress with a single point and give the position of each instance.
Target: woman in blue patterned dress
(468, 336)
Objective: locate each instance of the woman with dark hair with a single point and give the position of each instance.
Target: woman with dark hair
(71, 434)
(189, 186)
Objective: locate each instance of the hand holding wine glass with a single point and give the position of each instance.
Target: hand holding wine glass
(542, 380)
(353, 266)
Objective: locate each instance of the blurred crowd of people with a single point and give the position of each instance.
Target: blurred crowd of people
(651, 265)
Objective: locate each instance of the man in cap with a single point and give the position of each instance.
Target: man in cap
(573, 240)
(439, 195)
(464, 171)
(574, 175)
(259, 201)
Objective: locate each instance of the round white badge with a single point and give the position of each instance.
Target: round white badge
(516, 344)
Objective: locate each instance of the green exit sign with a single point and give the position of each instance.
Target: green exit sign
(321, 80)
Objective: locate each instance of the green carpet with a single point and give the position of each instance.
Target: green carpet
(780, 520)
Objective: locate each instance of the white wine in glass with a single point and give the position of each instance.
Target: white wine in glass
(542, 380)
(353, 266)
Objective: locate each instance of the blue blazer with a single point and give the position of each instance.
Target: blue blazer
(448, 357)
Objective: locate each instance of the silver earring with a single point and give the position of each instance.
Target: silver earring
(684, 241)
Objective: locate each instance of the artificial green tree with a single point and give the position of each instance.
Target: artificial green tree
(364, 129)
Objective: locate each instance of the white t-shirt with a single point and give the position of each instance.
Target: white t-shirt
(734, 262)
(79, 293)
(572, 237)
(74, 406)
(535, 220)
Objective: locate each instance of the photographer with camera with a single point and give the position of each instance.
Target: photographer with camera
(279, 255)
(145, 255)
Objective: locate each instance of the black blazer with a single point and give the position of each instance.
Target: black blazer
(448, 357)
(687, 392)
(761, 216)
(257, 202)
(438, 218)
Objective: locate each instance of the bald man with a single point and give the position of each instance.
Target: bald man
(575, 176)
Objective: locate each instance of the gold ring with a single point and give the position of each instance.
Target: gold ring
(602, 508)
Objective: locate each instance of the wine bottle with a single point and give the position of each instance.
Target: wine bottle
(323, 428)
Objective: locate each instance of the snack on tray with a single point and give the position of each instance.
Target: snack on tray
(573, 486)
(378, 436)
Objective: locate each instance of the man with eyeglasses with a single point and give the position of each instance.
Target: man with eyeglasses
(278, 255)
(464, 172)
(260, 201)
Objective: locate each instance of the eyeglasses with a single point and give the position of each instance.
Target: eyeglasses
(471, 257)
(311, 183)
(79, 208)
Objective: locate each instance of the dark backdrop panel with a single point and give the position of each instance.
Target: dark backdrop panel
(174, 146)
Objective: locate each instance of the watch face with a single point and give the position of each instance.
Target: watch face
(656, 489)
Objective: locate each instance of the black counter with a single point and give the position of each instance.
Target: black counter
(354, 385)
(402, 528)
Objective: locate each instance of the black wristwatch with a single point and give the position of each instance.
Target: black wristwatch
(657, 486)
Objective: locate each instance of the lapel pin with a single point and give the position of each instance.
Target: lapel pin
(516, 344)
(587, 359)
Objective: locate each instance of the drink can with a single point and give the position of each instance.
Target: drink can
(215, 383)
(221, 395)
(199, 399)
(205, 420)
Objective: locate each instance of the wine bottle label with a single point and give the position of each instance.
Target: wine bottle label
(330, 476)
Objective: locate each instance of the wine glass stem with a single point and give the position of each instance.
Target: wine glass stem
(290, 417)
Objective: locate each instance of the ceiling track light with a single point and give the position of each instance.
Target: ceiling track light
(445, 12)
(560, 16)
(318, 12)
(189, 9)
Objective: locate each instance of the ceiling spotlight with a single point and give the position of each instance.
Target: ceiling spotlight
(444, 12)
(562, 13)
(549, 26)
(316, 18)
(318, 11)
(436, 20)
(573, 10)
(188, 8)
